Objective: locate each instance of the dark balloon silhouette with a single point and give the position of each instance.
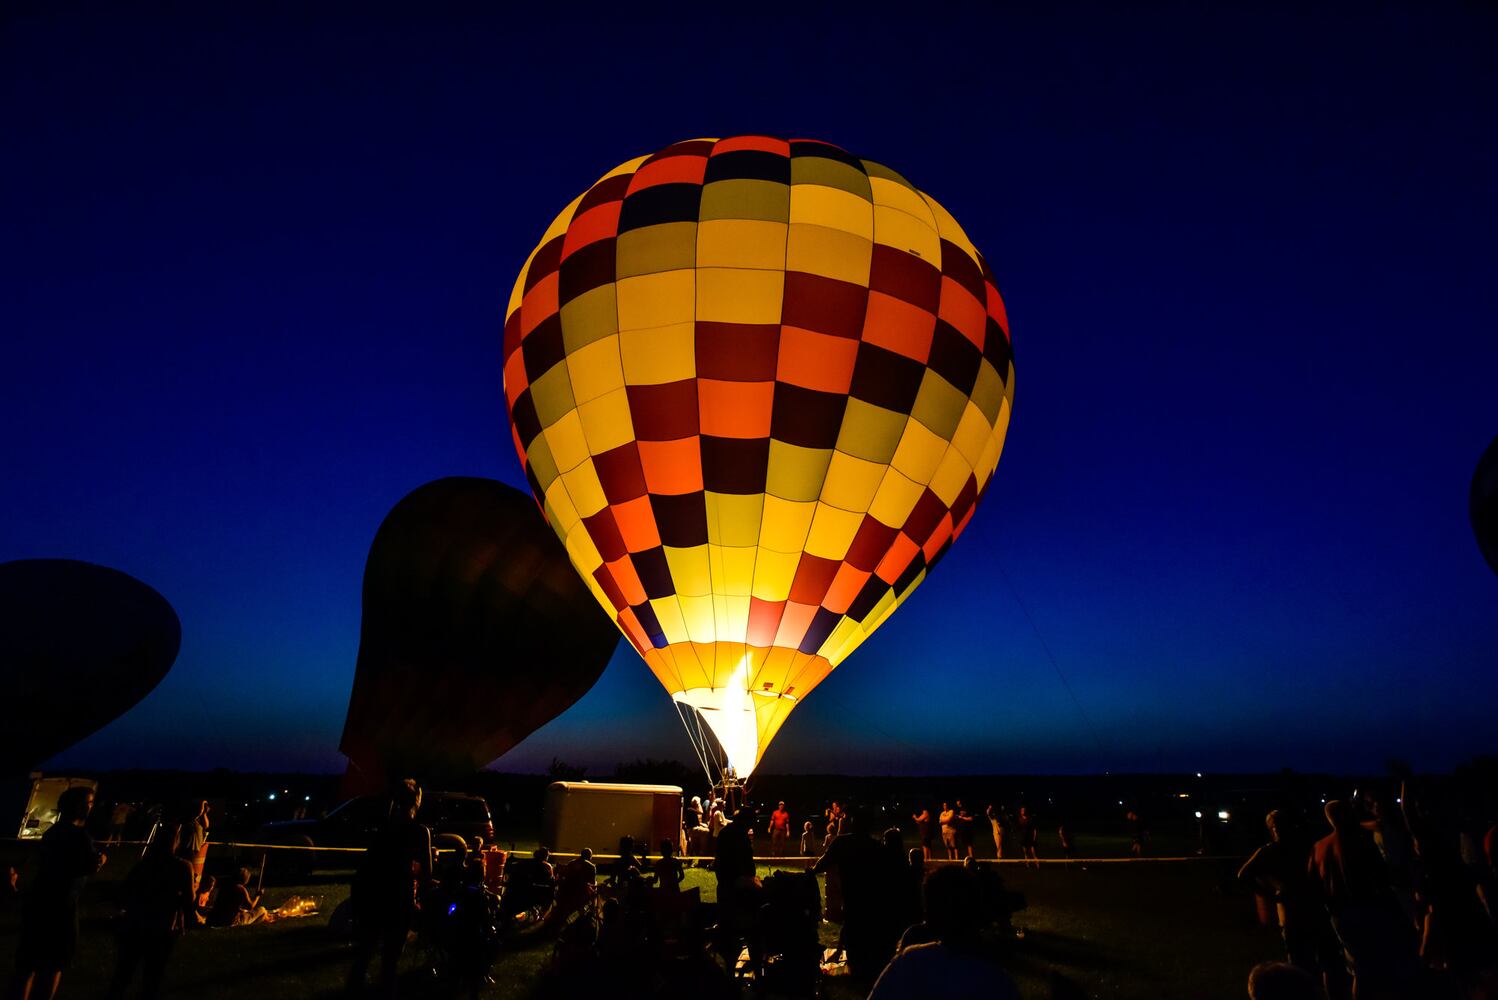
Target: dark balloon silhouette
(1483, 504)
(79, 645)
(476, 632)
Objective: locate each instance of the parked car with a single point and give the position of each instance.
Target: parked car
(355, 822)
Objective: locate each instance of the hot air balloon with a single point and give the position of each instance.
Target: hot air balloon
(475, 633)
(758, 387)
(1482, 504)
(80, 644)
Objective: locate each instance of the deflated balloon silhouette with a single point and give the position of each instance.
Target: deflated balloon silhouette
(1483, 504)
(476, 632)
(79, 645)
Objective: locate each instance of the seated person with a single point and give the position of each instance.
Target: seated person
(453, 862)
(581, 868)
(576, 887)
(530, 883)
(625, 862)
(478, 864)
(234, 906)
(198, 912)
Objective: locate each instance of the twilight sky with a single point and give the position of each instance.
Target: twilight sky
(253, 268)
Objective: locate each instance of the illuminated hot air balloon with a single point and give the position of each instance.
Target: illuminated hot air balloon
(476, 632)
(1482, 504)
(758, 387)
(80, 644)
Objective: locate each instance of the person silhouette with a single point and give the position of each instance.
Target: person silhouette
(395, 868)
(953, 960)
(48, 937)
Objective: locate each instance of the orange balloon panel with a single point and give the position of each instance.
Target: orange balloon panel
(758, 387)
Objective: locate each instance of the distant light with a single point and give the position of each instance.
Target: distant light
(272, 796)
(1198, 814)
(1183, 795)
(1120, 801)
(1198, 774)
(306, 798)
(1399, 802)
(1222, 814)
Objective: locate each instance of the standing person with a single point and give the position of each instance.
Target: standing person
(835, 814)
(948, 820)
(668, 870)
(780, 831)
(1353, 883)
(716, 821)
(923, 831)
(699, 837)
(734, 857)
(691, 820)
(733, 863)
(964, 831)
(49, 910)
(999, 822)
(1029, 836)
(394, 870)
(1063, 833)
(1139, 833)
(870, 898)
(1278, 870)
(194, 847)
(158, 896)
(811, 846)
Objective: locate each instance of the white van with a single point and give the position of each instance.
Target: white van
(582, 814)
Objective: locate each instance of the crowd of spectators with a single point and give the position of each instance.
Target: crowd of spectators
(1386, 899)
(1377, 897)
(165, 893)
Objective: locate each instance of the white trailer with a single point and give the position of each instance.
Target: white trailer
(41, 806)
(582, 814)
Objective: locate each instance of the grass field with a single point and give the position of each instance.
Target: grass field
(1132, 930)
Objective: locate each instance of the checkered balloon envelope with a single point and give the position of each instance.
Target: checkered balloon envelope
(758, 387)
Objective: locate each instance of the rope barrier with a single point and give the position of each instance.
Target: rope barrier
(697, 859)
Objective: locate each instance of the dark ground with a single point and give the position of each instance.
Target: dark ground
(1121, 930)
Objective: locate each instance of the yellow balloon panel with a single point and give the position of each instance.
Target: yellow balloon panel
(760, 386)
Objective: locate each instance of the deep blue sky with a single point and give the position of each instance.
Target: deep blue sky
(251, 290)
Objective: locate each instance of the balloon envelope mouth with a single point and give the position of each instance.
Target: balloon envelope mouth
(728, 712)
